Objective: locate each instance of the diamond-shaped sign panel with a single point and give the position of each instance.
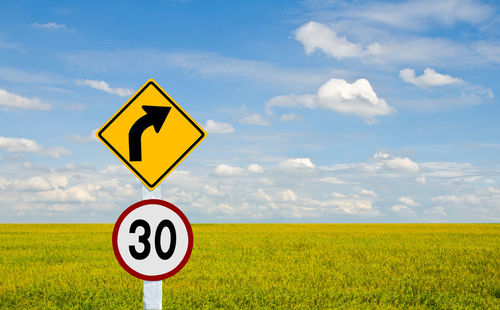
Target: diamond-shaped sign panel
(151, 134)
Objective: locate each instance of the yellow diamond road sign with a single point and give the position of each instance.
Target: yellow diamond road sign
(151, 134)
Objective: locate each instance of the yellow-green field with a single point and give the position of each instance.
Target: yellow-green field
(251, 266)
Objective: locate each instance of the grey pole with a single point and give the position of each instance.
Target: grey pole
(152, 295)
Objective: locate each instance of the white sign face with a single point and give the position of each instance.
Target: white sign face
(152, 240)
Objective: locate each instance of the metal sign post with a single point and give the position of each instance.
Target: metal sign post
(151, 290)
(151, 134)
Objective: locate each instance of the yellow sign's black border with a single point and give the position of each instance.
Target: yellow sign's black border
(126, 161)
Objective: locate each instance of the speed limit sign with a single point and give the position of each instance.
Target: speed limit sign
(152, 240)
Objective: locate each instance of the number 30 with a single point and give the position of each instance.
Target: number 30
(144, 239)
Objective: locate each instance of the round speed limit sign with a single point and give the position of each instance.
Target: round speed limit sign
(152, 240)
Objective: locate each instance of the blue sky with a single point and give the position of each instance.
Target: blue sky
(316, 111)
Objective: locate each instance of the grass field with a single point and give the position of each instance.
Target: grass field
(284, 266)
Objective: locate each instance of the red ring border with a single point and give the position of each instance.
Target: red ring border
(117, 228)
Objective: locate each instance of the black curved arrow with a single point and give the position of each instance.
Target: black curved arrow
(155, 116)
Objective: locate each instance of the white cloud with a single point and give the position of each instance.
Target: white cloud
(428, 79)
(431, 51)
(338, 195)
(470, 199)
(382, 155)
(119, 169)
(79, 190)
(297, 164)
(90, 138)
(379, 45)
(439, 210)
(401, 164)
(255, 119)
(22, 145)
(218, 127)
(362, 207)
(408, 201)
(332, 180)
(347, 206)
(3, 184)
(291, 101)
(266, 181)
(402, 209)
(227, 170)
(421, 180)
(446, 169)
(367, 192)
(288, 195)
(488, 51)
(255, 168)
(394, 163)
(19, 145)
(212, 190)
(290, 117)
(16, 101)
(422, 14)
(494, 190)
(405, 208)
(417, 50)
(383, 164)
(321, 195)
(78, 194)
(316, 36)
(49, 26)
(102, 85)
(262, 195)
(56, 151)
(225, 208)
(41, 183)
(357, 98)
